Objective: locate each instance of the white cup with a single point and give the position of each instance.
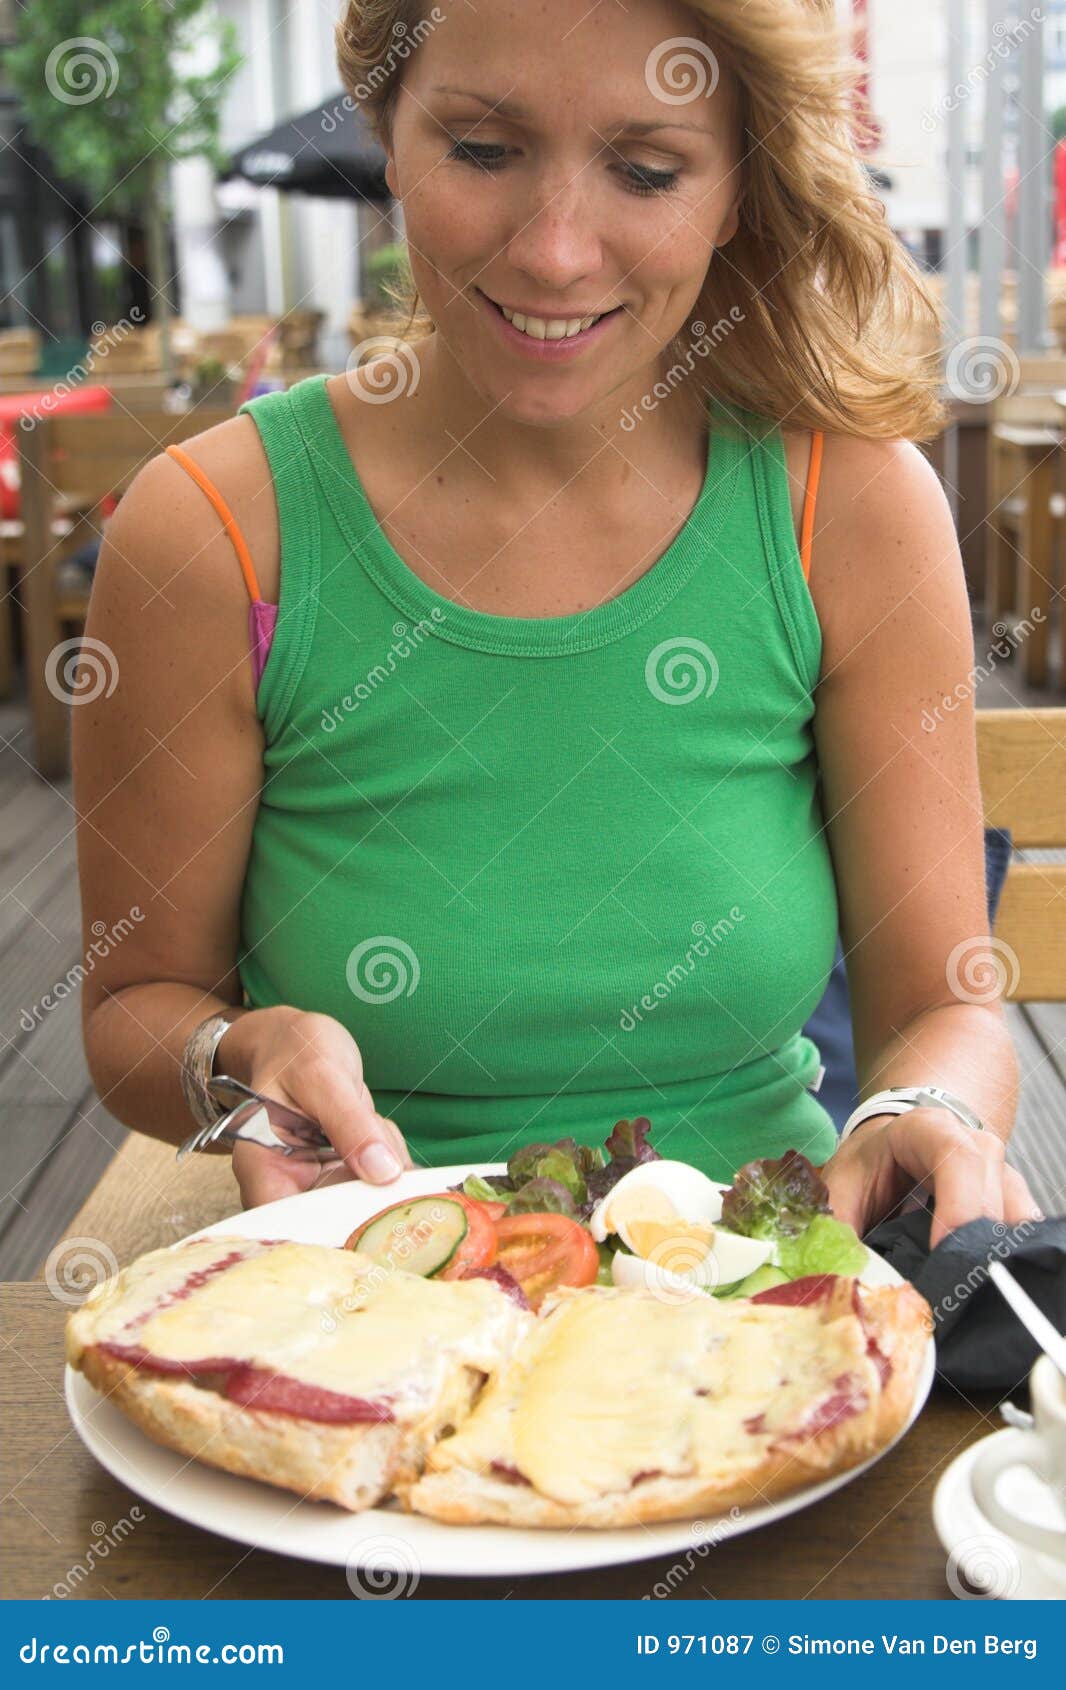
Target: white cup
(1043, 1450)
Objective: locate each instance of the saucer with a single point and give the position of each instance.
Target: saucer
(982, 1561)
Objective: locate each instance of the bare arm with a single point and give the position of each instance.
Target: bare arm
(904, 815)
(167, 773)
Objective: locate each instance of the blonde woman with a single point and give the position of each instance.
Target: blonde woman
(591, 630)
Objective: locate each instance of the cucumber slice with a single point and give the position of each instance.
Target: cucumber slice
(420, 1236)
(760, 1280)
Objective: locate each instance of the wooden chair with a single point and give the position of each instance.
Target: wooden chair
(79, 461)
(66, 537)
(20, 352)
(1026, 513)
(1022, 756)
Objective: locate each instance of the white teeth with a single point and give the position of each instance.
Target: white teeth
(554, 328)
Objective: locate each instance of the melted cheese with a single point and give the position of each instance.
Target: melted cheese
(616, 1384)
(122, 1303)
(329, 1318)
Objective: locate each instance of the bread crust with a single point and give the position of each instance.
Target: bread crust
(355, 1466)
(898, 1317)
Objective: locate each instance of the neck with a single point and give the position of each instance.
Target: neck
(526, 462)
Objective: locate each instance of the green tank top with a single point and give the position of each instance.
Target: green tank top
(548, 871)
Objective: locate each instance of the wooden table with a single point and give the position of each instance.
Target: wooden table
(873, 1538)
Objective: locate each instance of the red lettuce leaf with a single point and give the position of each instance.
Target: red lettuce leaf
(775, 1198)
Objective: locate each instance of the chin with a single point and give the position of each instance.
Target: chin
(532, 401)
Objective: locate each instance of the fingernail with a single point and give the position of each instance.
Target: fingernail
(378, 1163)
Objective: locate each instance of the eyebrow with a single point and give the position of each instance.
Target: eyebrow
(511, 108)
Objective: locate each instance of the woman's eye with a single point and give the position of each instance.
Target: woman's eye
(636, 179)
(484, 156)
(641, 179)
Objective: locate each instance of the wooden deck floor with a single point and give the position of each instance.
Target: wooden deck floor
(58, 1138)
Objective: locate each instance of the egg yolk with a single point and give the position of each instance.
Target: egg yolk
(652, 1228)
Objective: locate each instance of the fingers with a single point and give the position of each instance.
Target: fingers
(397, 1140)
(312, 1062)
(964, 1169)
(391, 1131)
(1019, 1204)
(263, 1176)
(845, 1177)
(371, 1147)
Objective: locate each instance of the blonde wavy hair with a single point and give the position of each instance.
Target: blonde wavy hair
(832, 325)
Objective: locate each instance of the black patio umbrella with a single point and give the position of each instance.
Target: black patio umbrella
(329, 151)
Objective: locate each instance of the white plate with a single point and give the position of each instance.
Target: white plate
(983, 1560)
(385, 1538)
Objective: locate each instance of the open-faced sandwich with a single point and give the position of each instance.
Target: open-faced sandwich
(618, 1408)
(594, 1338)
(312, 1368)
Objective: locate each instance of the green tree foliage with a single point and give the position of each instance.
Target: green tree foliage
(110, 94)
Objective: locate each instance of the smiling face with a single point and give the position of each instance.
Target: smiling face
(563, 162)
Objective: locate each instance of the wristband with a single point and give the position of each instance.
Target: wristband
(899, 1100)
(197, 1066)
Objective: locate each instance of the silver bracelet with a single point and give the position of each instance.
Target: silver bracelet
(197, 1066)
(898, 1100)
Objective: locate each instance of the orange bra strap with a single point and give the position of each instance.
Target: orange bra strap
(244, 556)
(807, 525)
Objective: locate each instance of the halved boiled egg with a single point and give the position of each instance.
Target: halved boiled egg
(665, 1213)
(658, 1193)
(730, 1259)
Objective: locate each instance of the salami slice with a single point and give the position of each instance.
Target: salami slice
(276, 1393)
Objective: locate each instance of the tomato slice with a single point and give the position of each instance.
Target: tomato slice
(478, 1248)
(494, 1210)
(545, 1251)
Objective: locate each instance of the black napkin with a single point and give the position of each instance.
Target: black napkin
(980, 1343)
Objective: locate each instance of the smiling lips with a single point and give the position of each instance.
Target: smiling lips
(548, 328)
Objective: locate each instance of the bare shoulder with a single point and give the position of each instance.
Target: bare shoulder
(169, 597)
(885, 560)
(167, 526)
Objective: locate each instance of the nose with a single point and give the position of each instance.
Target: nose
(556, 244)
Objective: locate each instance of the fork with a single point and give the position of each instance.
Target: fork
(252, 1119)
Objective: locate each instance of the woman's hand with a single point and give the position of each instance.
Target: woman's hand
(888, 1156)
(312, 1063)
